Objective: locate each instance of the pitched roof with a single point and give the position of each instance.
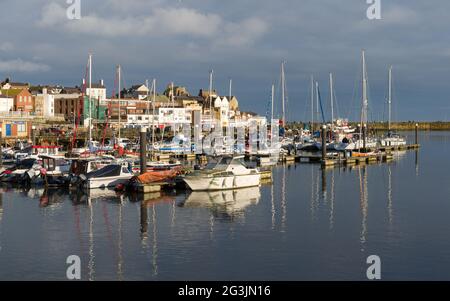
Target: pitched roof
(11, 92)
(95, 86)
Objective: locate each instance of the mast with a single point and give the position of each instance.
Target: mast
(90, 93)
(332, 100)
(229, 92)
(362, 131)
(153, 114)
(273, 96)
(210, 96)
(172, 99)
(271, 118)
(120, 112)
(148, 100)
(283, 85)
(364, 90)
(317, 101)
(312, 104)
(390, 98)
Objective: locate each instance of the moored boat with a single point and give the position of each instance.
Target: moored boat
(226, 173)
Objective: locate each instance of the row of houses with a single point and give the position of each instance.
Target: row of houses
(136, 105)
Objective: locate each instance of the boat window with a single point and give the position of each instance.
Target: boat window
(26, 164)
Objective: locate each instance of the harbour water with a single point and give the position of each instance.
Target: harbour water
(310, 224)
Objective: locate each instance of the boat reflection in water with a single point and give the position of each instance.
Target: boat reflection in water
(226, 203)
(149, 202)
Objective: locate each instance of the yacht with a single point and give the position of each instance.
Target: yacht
(225, 173)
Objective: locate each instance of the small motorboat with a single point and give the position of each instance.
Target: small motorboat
(393, 139)
(108, 176)
(225, 173)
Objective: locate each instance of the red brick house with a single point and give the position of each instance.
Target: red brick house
(23, 100)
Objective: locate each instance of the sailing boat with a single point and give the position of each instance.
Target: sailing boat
(391, 138)
(358, 142)
(269, 155)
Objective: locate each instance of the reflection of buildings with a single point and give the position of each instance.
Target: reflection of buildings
(227, 203)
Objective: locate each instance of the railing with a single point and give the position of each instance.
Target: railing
(20, 114)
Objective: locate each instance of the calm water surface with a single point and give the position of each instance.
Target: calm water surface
(307, 225)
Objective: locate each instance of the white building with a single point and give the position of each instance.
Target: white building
(6, 103)
(222, 108)
(141, 119)
(44, 104)
(140, 92)
(174, 115)
(97, 90)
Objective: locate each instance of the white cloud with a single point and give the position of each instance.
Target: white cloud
(19, 65)
(400, 15)
(6, 46)
(160, 22)
(52, 14)
(243, 33)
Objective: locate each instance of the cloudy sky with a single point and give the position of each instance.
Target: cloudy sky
(246, 40)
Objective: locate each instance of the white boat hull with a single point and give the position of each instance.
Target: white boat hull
(204, 183)
(106, 181)
(393, 142)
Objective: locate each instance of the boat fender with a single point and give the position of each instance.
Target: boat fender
(119, 187)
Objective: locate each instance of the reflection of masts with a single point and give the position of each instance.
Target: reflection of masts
(324, 185)
(417, 162)
(172, 221)
(389, 196)
(364, 204)
(272, 201)
(155, 243)
(144, 224)
(91, 241)
(332, 201)
(1, 216)
(283, 200)
(312, 194)
(119, 249)
(211, 226)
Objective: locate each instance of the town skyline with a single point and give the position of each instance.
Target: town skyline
(247, 46)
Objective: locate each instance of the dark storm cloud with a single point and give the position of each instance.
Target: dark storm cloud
(181, 40)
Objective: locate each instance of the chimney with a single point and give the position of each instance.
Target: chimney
(44, 90)
(101, 82)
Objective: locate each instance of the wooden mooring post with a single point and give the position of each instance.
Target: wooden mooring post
(143, 154)
(417, 135)
(324, 143)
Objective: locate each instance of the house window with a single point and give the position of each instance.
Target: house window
(21, 128)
